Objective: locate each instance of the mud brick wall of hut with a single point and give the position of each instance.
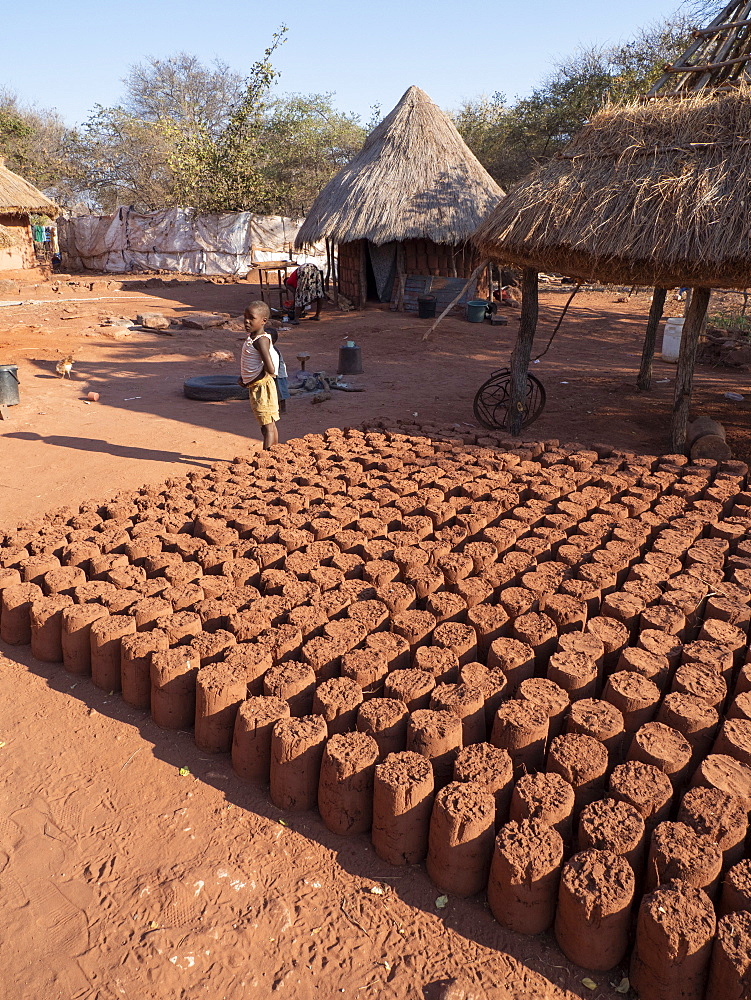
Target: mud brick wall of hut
(16, 243)
(419, 257)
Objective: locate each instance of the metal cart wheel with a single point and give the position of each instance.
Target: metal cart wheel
(491, 405)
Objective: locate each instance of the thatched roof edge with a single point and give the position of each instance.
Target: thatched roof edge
(414, 178)
(19, 197)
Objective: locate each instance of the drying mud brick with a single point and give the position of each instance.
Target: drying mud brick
(583, 762)
(106, 635)
(467, 704)
(665, 748)
(674, 935)
(521, 728)
(719, 816)
(490, 767)
(296, 752)
(635, 697)
(413, 687)
(46, 620)
(460, 639)
(414, 626)
(514, 658)
(713, 656)
(345, 787)
(251, 740)
(740, 707)
(539, 632)
(545, 798)
(461, 837)
(173, 688)
(600, 720)
(337, 700)
(552, 698)
(693, 717)
(613, 635)
(702, 680)
(180, 627)
(63, 580)
(736, 889)
(567, 613)
(733, 739)
(135, 665)
(220, 690)
(292, 682)
(730, 965)
(594, 906)
(576, 673)
(615, 826)
(385, 720)
(446, 607)
(676, 851)
(489, 622)
(492, 683)
(441, 662)
(727, 774)
(437, 736)
(15, 613)
(524, 876)
(583, 642)
(253, 660)
(76, 636)
(650, 665)
(34, 569)
(394, 647)
(367, 669)
(402, 805)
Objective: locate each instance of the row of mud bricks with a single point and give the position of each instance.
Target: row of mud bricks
(523, 663)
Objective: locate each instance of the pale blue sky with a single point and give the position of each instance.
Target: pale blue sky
(72, 56)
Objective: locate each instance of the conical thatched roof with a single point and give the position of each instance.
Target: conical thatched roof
(18, 197)
(415, 178)
(718, 56)
(656, 193)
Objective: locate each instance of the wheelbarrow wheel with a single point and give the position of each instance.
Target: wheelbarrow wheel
(493, 399)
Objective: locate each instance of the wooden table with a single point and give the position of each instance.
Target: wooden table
(278, 269)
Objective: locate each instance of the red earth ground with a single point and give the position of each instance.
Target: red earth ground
(119, 876)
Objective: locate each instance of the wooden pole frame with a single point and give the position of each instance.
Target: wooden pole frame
(692, 328)
(644, 378)
(523, 349)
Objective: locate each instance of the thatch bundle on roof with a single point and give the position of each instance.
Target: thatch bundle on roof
(407, 204)
(655, 193)
(18, 197)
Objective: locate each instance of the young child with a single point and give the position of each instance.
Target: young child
(259, 366)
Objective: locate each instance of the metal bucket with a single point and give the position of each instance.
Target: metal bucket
(9, 385)
(350, 360)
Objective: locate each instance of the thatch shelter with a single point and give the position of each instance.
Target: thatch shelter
(651, 193)
(406, 204)
(19, 200)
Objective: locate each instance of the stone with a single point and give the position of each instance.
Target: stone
(204, 321)
(153, 321)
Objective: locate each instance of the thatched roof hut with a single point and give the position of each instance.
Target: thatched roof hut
(18, 197)
(19, 200)
(654, 193)
(415, 190)
(649, 193)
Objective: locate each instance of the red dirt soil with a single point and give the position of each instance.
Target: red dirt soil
(123, 876)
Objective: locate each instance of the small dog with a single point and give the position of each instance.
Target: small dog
(63, 367)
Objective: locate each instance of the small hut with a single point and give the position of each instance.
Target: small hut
(651, 193)
(405, 205)
(19, 200)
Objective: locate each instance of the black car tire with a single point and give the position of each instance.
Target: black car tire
(214, 388)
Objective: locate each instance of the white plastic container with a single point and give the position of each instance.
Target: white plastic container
(671, 339)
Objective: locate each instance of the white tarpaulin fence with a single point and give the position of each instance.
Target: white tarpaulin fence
(176, 239)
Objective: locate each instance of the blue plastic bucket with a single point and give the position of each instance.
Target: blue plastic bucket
(476, 310)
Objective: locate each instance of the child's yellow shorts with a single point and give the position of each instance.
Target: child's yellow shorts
(264, 400)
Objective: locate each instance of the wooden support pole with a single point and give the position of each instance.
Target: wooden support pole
(644, 379)
(472, 278)
(692, 328)
(523, 350)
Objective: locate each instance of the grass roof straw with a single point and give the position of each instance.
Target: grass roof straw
(18, 197)
(655, 193)
(415, 178)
